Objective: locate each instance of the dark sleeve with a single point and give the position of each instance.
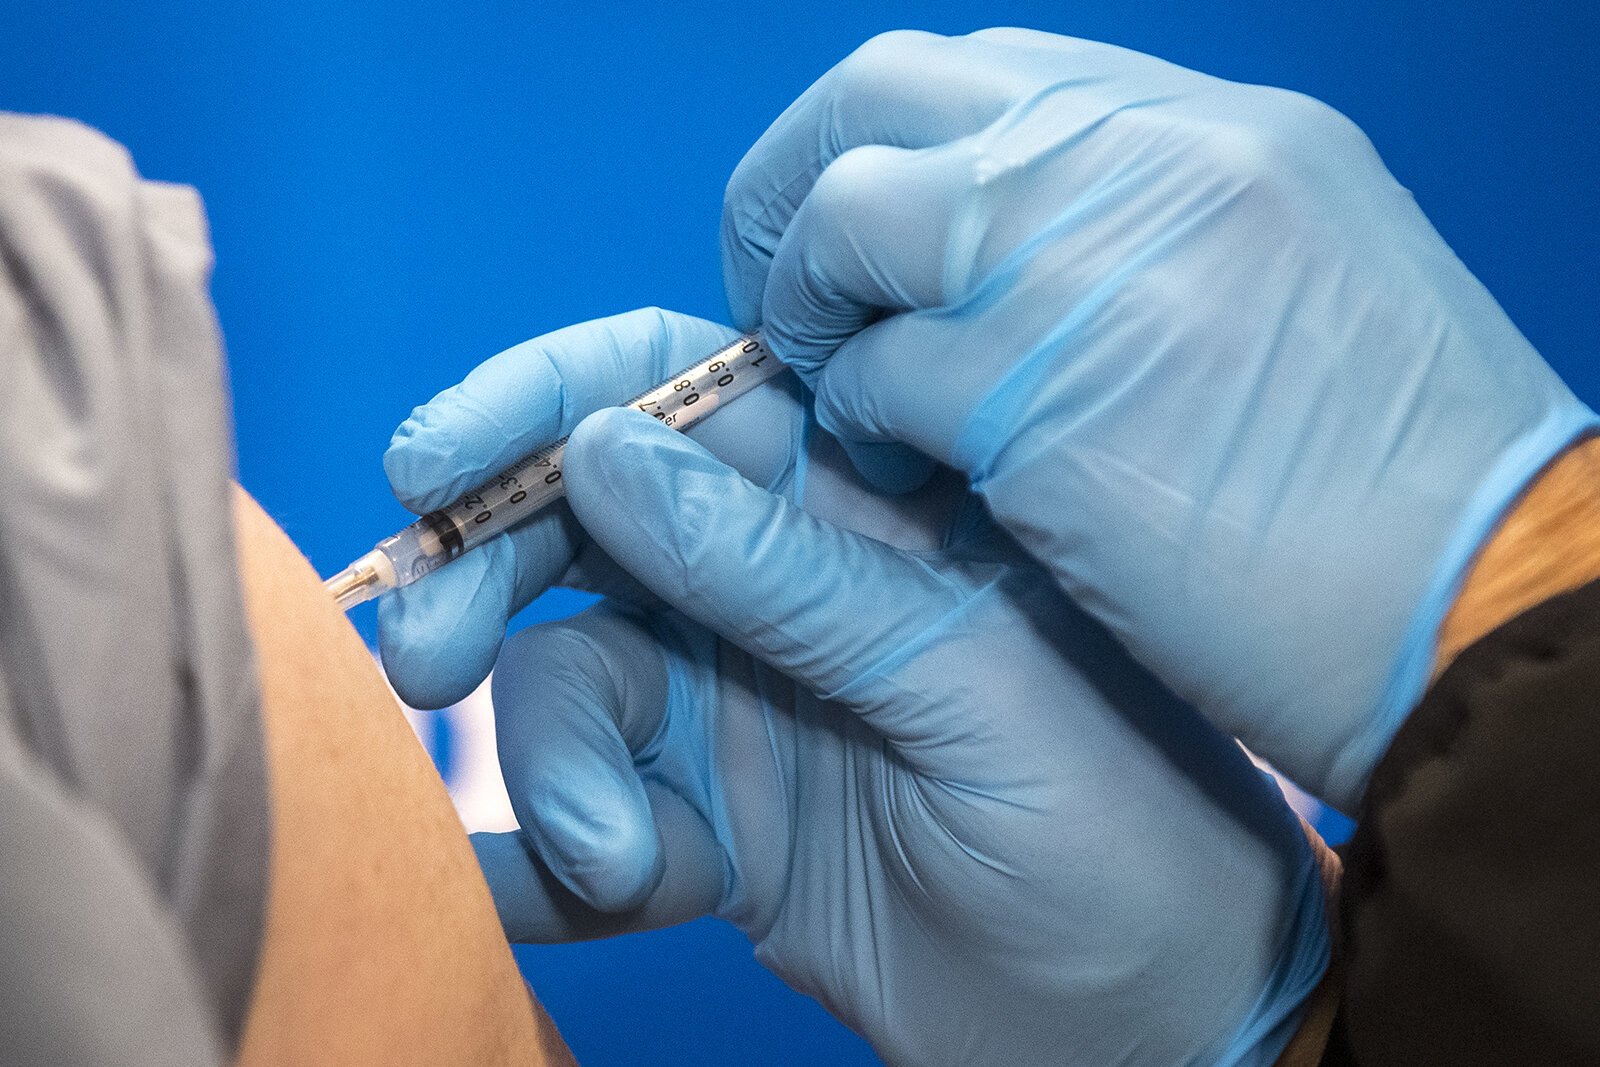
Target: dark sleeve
(1470, 909)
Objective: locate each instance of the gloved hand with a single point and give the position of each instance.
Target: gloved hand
(993, 839)
(439, 638)
(1191, 342)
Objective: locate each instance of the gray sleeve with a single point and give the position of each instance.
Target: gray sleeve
(134, 844)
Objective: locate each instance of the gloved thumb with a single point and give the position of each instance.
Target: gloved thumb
(830, 608)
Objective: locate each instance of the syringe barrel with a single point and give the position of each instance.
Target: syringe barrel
(420, 549)
(534, 482)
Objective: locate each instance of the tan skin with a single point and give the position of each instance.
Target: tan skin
(1548, 544)
(382, 945)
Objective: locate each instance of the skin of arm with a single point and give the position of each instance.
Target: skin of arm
(382, 945)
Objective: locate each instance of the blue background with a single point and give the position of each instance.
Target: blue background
(398, 190)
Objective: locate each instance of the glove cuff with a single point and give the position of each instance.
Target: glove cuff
(1516, 469)
(1295, 1009)
(1310, 1041)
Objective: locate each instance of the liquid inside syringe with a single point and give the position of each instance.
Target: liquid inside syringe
(534, 482)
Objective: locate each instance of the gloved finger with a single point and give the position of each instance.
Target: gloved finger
(885, 230)
(534, 393)
(439, 637)
(875, 236)
(889, 466)
(868, 390)
(536, 906)
(577, 705)
(905, 88)
(825, 606)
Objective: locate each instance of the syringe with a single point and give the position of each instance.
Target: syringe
(534, 482)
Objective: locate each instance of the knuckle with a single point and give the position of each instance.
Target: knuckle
(874, 76)
(1242, 149)
(1279, 135)
(847, 188)
(1298, 118)
(977, 164)
(734, 197)
(645, 323)
(744, 199)
(879, 63)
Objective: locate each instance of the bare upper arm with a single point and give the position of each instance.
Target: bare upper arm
(382, 944)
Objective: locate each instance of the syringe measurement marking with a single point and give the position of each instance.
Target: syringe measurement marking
(521, 490)
(683, 392)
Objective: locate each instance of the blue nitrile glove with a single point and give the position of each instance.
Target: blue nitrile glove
(439, 637)
(1194, 345)
(997, 841)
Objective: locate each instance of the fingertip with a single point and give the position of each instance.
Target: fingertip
(421, 462)
(744, 306)
(597, 835)
(438, 638)
(605, 450)
(847, 410)
(513, 877)
(642, 490)
(533, 906)
(803, 340)
(563, 697)
(616, 867)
